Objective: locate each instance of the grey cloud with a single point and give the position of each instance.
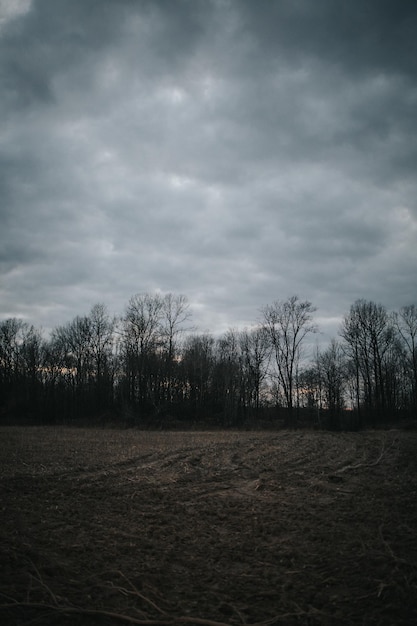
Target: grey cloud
(237, 152)
(372, 36)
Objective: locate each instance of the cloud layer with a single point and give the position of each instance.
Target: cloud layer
(233, 151)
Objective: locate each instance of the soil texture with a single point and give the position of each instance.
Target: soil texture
(115, 527)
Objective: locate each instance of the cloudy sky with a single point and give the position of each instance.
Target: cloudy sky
(234, 151)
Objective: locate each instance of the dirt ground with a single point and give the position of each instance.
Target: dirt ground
(128, 527)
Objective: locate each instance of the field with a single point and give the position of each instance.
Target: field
(115, 527)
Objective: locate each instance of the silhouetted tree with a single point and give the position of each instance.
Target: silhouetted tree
(175, 313)
(147, 364)
(142, 345)
(197, 369)
(287, 324)
(255, 351)
(368, 334)
(332, 373)
(20, 368)
(228, 378)
(101, 342)
(71, 343)
(406, 324)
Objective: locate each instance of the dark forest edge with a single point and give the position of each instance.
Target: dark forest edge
(149, 369)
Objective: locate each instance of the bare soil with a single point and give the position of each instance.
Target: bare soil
(128, 527)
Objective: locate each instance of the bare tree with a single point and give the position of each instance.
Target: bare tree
(331, 364)
(197, 366)
(73, 339)
(101, 347)
(142, 344)
(175, 313)
(229, 380)
(142, 321)
(368, 334)
(70, 344)
(20, 366)
(406, 324)
(254, 345)
(287, 324)
(12, 333)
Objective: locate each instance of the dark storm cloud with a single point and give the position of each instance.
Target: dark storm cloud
(371, 36)
(234, 151)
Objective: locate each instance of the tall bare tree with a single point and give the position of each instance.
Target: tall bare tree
(406, 324)
(21, 348)
(331, 368)
(197, 368)
(71, 344)
(254, 345)
(101, 346)
(142, 344)
(287, 324)
(229, 379)
(368, 334)
(175, 313)
(12, 332)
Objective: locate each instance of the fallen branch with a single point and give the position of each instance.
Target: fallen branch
(137, 593)
(388, 547)
(38, 578)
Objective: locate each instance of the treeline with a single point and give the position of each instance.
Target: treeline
(148, 367)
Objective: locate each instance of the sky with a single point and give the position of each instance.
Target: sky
(238, 152)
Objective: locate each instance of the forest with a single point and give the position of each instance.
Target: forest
(149, 367)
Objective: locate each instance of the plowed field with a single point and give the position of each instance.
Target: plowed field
(128, 527)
